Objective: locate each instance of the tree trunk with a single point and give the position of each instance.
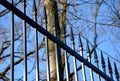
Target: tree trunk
(52, 15)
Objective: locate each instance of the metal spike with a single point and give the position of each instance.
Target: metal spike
(71, 35)
(116, 71)
(110, 68)
(95, 57)
(80, 41)
(102, 60)
(87, 47)
(103, 63)
(45, 15)
(34, 6)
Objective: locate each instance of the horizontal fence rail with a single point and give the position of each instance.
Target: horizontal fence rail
(58, 43)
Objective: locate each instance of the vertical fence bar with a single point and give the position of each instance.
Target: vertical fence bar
(89, 59)
(47, 48)
(65, 52)
(96, 62)
(36, 42)
(12, 45)
(56, 49)
(81, 53)
(116, 72)
(24, 42)
(110, 68)
(74, 59)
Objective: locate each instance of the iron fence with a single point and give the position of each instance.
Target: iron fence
(76, 57)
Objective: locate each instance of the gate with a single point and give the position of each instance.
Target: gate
(95, 73)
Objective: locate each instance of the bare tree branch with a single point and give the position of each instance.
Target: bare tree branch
(4, 12)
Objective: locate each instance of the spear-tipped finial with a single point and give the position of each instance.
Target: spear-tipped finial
(87, 47)
(102, 60)
(109, 66)
(80, 41)
(116, 71)
(24, 4)
(88, 50)
(45, 15)
(71, 35)
(34, 6)
(95, 56)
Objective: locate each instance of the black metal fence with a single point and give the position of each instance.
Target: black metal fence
(85, 62)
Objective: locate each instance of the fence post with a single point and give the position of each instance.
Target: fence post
(56, 48)
(66, 56)
(47, 47)
(36, 41)
(81, 53)
(24, 42)
(74, 59)
(89, 59)
(12, 45)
